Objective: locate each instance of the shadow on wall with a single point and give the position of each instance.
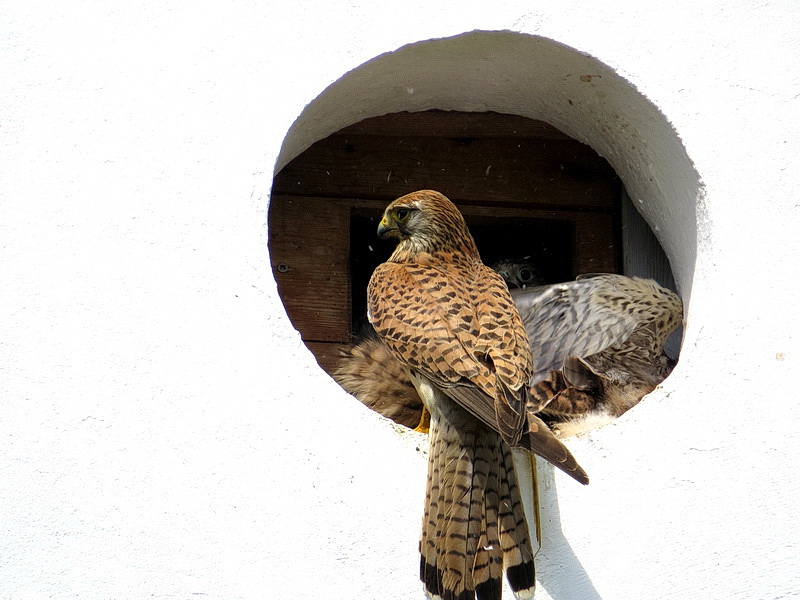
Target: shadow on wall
(556, 556)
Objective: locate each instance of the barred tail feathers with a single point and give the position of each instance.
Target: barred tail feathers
(474, 524)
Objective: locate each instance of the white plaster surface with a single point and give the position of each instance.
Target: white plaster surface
(165, 433)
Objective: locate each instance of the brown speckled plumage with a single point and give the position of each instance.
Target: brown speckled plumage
(451, 322)
(629, 319)
(598, 346)
(372, 374)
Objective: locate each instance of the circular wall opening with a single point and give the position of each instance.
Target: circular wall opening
(541, 79)
(526, 90)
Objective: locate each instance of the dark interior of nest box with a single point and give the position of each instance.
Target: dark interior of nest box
(546, 244)
(525, 189)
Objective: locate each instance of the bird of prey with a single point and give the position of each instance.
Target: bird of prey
(518, 273)
(369, 372)
(598, 346)
(451, 322)
(603, 337)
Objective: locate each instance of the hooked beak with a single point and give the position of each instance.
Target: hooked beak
(386, 229)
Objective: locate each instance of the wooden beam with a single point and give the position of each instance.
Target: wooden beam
(441, 123)
(309, 250)
(545, 173)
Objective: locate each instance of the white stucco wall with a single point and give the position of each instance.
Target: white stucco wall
(165, 433)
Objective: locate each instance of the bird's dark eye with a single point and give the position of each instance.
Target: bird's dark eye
(401, 214)
(525, 275)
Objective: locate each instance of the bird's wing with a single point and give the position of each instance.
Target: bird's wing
(574, 319)
(455, 337)
(460, 341)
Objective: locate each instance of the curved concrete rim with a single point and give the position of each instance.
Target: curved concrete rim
(541, 79)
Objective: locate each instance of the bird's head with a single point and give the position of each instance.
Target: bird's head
(518, 273)
(426, 221)
(401, 220)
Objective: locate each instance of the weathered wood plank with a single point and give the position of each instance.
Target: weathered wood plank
(596, 244)
(441, 123)
(309, 250)
(542, 173)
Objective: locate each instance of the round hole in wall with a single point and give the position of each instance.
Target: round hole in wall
(481, 117)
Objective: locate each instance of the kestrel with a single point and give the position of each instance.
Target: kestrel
(518, 273)
(450, 320)
(598, 344)
(603, 336)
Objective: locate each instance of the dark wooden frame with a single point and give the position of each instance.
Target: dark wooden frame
(490, 165)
